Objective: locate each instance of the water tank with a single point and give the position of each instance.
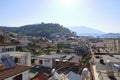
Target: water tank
(53, 70)
(85, 73)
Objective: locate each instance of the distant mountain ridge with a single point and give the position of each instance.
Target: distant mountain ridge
(52, 31)
(110, 35)
(85, 31)
(48, 30)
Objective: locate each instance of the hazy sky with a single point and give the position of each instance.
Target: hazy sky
(103, 15)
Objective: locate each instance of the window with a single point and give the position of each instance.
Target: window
(17, 60)
(47, 60)
(19, 77)
(3, 50)
(40, 61)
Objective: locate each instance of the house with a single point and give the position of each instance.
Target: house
(56, 59)
(40, 43)
(23, 39)
(9, 70)
(6, 44)
(72, 41)
(7, 48)
(23, 58)
(113, 45)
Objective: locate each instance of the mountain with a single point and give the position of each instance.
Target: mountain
(85, 31)
(110, 35)
(48, 30)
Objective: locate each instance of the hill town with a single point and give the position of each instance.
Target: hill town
(50, 51)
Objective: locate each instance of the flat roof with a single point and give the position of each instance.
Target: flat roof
(16, 54)
(55, 56)
(13, 71)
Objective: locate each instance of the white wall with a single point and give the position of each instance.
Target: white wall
(28, 59)
(22, 60)
(1, 49)
(25, 60)
(46, 64)
(24, 76)
(14, 48)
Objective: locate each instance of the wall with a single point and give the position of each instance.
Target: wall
(22, 60)
(6, 47)
(26, 59)
(47, 62)
(113, 45)
(24, 76)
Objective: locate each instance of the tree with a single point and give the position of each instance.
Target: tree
(19, 48)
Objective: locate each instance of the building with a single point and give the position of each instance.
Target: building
(7, 48)
(7, 44)
(113, 45)
(9, 70)
(23, 58)
(56, 59)
(73, 42)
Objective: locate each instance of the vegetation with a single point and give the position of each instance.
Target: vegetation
(19, 48)
(48, 30)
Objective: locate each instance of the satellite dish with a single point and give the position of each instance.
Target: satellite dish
(53, 70)
(85, 71)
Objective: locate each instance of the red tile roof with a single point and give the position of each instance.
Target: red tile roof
(41, 76)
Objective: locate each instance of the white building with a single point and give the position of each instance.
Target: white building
(23, 58)
(9, 70)
(8, 48)
(44, 61)
(52, 60)
(20, 72)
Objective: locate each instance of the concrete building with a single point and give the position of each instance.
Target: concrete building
(72, 41)
(18, 72)
(7, 48)
(23, 58)
(113, 45)
(54, 60)
(6, 44)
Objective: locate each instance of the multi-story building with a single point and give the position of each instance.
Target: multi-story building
(9, 70)
(6, 44)
(113, 45)
(23, 58)
(56, 60)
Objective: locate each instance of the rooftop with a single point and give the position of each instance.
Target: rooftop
(57, 57)
(15, 53)
(13, 71)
